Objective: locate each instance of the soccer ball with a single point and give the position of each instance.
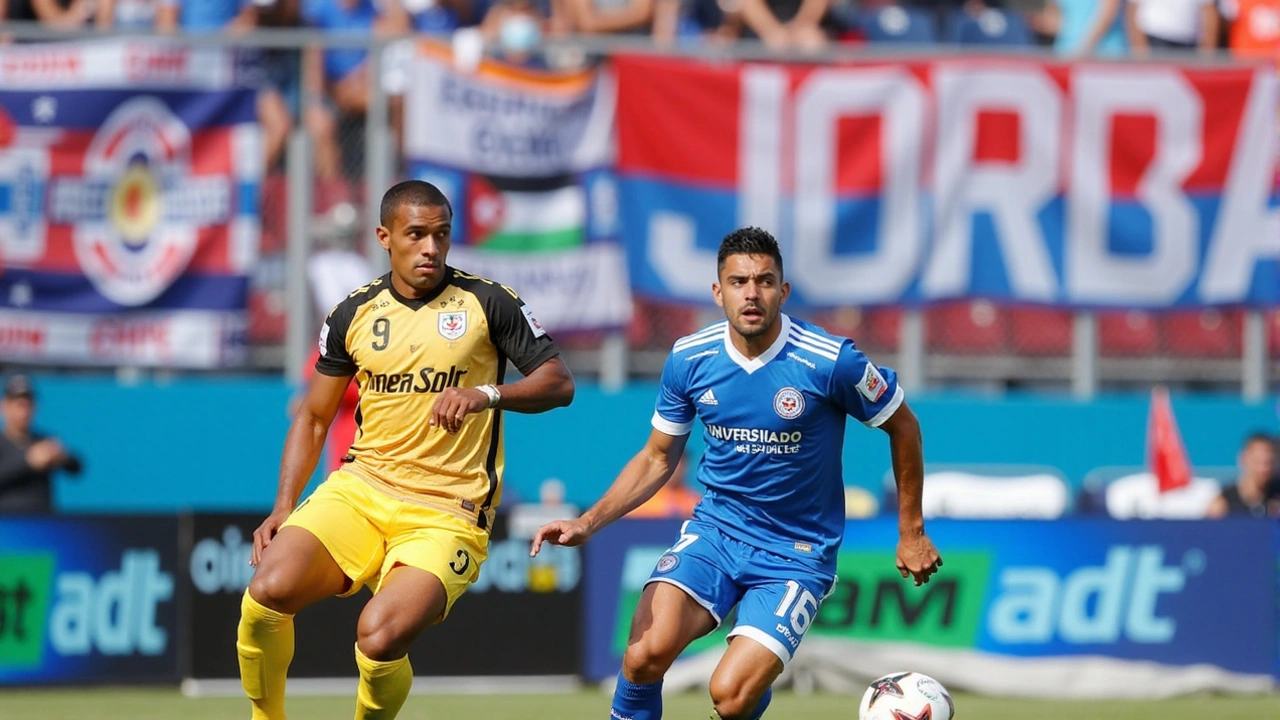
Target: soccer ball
(906, 696)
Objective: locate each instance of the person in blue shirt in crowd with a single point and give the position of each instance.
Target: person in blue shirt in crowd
(345, 71)
(1084, 28)
(773, 393)
(237, 16)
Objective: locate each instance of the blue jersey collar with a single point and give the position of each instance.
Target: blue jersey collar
(763, 359)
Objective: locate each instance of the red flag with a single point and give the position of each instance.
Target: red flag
(7, 129)
(1166, 455)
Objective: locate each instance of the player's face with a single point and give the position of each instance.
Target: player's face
(752, 292)
(418, 242)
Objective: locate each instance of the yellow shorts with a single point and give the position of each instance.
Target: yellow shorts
(369, 532)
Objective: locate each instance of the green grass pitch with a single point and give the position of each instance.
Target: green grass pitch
(113, 704)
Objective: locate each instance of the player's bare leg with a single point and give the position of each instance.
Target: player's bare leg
(409, 601)
(296, 570)
(665, 622)
(745, 673)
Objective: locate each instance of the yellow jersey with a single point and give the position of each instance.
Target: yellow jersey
(404, 352)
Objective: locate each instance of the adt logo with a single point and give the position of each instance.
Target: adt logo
(1092, 604)
(77, 613)
(114, 614)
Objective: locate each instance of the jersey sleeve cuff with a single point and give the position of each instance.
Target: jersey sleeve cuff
(889, 410)
(335, 369)
(667, 427)
(547, 352)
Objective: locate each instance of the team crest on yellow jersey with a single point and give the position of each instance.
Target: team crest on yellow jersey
(453, 325)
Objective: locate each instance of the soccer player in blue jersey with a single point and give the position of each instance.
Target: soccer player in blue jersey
(773, 393)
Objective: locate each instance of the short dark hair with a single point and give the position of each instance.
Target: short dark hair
(411, 192)
(749, 241)
(1257, 436)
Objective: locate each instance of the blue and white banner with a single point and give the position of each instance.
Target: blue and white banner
(129, 218)
(525, 158)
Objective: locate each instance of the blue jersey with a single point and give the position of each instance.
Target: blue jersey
(774, 429)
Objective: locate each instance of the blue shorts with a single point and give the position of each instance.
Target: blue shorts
(777, 598)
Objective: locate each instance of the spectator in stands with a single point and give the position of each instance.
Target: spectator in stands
(345, 72)
(237, 16)
(695, 21)
(512, 30)
(27, 459)
(284, 78)
(439, 17)
(787, 24)
(610, 17)
(1083, 28)
(206, 16)
(971, 6)
(1171, 25)
(127, 14)
(1254, 492)
(1254, 27)
(673, 500)
(61, 14)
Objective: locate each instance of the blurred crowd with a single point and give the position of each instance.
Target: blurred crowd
(1074, 27)
(337, 80)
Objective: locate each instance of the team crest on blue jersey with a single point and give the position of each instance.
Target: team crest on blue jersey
(453, 325)
(668, 562)
(788, 403)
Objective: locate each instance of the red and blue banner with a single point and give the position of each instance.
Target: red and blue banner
(129, 208)
(1083, 185)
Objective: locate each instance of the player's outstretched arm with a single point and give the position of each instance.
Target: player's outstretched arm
(917, 558)
(638, 481)
(302, 448)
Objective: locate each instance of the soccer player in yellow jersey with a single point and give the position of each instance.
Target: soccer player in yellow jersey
(410, 511)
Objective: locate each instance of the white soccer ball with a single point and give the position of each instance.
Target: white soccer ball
(906, 696)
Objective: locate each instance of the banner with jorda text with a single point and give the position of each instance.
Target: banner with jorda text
(129, 223)
(525, 157)
(1074, 185)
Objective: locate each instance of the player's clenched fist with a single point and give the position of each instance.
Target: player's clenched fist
(569, 533)
(454, 404)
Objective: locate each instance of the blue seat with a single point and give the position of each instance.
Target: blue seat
(898, 25)
(989, 27)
